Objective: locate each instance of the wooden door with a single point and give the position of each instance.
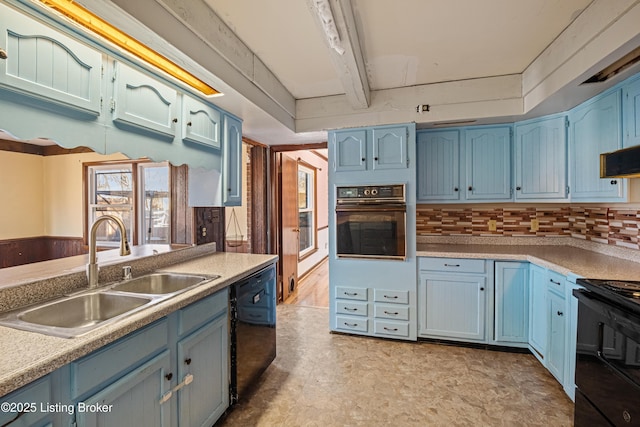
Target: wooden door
(289, 226)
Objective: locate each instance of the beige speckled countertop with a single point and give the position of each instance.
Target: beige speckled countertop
(26, 356)
(564, 259)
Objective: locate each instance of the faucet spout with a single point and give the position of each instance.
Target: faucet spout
(92, 267)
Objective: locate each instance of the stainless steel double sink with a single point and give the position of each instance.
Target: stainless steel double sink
(80, 313)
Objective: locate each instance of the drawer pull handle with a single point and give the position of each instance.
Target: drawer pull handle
(351, 294)
(391, 329)
(553, 281)
(395, 313)
(391, 296)
(452, 265)
(350, 309)
(560, 313)
(351, 325)
(255, 316)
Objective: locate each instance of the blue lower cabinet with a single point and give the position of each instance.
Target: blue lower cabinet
(134, 400)
(203, 374)
(452, 306)
(557, 336)
(512, 302)
(538, 311)
(28, 406)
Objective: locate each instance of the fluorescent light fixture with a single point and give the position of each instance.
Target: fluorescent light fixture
(323, 10)
(101, 27)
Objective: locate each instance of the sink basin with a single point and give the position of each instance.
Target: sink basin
(160, 283)
(82, 311)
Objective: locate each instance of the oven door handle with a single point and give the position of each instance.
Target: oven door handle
(603, 359)
(371, 208)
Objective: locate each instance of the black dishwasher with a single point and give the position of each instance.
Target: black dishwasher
(253, 329)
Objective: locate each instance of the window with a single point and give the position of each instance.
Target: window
(138, 193)
(306, 210)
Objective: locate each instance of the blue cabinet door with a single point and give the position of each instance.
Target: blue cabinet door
(390, 147)
(203, 364)
(538, 310)
(488, 163)
(143, 103)
(452, 306)
(541, 159)
(200, 122)
(557, 342)
(438, 161)
(133, 400)
(512, 302)
(47, 65)
(28, 400)
(232, 162)
(595, 128)
(631, 113)
(350, 150)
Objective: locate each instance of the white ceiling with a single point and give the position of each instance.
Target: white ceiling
(489, 61)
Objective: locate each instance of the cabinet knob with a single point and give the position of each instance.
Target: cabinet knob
(560, 313)
(375, 158)
(455, 189)
(614, 181)
(482, 289)
(228, 189)
(363, 159)
(169, 376)
(187, 361)
(175, 120)
(518, 188)
(470, 188)
(188, 123)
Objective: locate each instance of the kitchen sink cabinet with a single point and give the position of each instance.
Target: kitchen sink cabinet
(48, 66)
(631, 111)
(26, 406)
(595, 128)
(370, 149)
(512, 302)
(541, 159)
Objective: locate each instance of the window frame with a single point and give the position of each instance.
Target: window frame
(136, 207)
(312, 172)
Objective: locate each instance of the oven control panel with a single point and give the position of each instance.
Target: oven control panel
(384, 192)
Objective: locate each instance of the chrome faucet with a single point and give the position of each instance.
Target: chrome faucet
(92, 267)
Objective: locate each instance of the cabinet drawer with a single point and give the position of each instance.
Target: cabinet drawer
(397, 297)
(117, 358)
(390, 311)
(389, 327)
(198, 313)
(351, 293)
(556, 282)
(453, 264)
(347, 323)
(352, 307)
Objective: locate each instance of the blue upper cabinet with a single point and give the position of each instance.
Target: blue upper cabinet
(201, 123)
(350, 150)
(143, 103)
(631, 108)
(488, 163)
(390, 147)
(541, 160)
(47, 65)
(438, 161)
(378, 148)
(232, 162)
(595, 128)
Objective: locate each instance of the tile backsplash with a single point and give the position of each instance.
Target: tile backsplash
(611, 226)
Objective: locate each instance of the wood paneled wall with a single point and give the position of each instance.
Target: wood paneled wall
(42, 248)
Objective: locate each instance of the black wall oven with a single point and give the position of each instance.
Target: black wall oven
(371, 222)
(608, 354)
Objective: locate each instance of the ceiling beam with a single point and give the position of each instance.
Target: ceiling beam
(345, 53)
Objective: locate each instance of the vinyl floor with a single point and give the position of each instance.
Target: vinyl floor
(325, 379)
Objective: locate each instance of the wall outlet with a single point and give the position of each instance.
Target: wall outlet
(492, 225)
(535, 225)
